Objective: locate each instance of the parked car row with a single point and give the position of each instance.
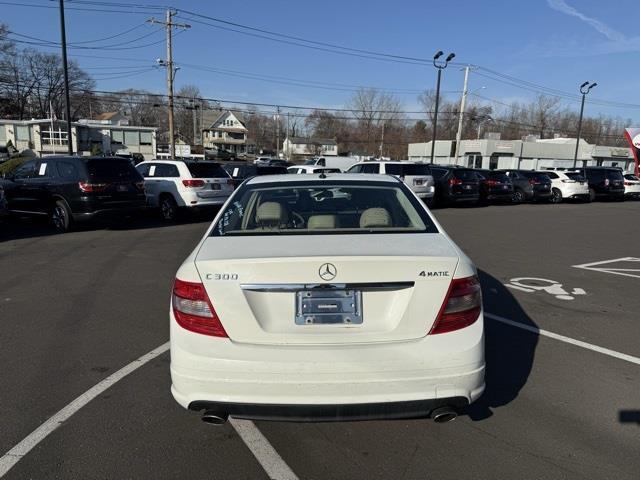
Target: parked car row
(67, 190)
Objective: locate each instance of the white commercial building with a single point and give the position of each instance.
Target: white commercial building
(525, 154)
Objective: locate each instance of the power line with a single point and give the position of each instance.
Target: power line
(232, 105)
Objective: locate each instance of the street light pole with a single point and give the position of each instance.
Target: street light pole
(440, 66)
(584, 89)
(67, 105)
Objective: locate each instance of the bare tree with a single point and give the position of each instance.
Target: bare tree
(543, 113)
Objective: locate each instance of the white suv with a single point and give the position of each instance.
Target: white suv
(297, 169)
(567, 185)
(175, 184)
(417, 176)
(631, 186)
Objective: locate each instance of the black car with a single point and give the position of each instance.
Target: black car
(529, 185)
(455, 185)
(73, 189)
(239, 171)
(4, 210)
(605, 182)
(494, 186)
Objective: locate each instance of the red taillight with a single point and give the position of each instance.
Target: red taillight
(461, 307)
(92, 187)
(492, 183)
(193, 183)
(455, 181)
(534, 181)
(193, 310)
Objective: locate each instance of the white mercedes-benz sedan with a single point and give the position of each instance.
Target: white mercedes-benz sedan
(328, 297)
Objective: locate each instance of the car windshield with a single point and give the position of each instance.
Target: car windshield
(310, 208)
(112, 169)
(411, 169)
(206, 170)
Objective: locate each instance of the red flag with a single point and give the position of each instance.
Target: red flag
(633, 137)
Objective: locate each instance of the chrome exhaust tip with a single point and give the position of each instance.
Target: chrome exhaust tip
(215, 418)
(444, 414)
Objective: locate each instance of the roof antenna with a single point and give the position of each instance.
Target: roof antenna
(322, 175)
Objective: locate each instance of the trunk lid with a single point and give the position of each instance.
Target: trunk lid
(254, 286)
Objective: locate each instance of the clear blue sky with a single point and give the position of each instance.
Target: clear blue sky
(554, 43)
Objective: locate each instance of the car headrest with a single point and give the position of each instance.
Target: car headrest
(317, 222)
(375, 217)
(270, 213)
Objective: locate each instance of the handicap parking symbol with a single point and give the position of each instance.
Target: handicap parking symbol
(533, 284)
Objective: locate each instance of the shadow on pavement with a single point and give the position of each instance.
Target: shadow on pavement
(22, 228)
(509, 352)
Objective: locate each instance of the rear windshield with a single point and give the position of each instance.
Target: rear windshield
(410, 169)
(575, 176)
(438, 173)
(500, 176)
(631, 177)
(206, 170)
(309, 208)
(614, 175)
(112, 169)
(540, 177)
(466, 175)
(271, 170)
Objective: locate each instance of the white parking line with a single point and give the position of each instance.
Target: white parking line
(271, 461)
(602, 267)
(14, 455)
(562, 338)
(263, 451)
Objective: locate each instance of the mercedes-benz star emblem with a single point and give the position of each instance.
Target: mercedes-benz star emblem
(328, 271)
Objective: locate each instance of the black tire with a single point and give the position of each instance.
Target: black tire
(60, 216)
(518, 196)
(168, 208)
(556, 196)
(592, 194)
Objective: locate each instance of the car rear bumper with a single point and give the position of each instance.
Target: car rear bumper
(259, 379)
(109, 213)
(331, 413)
(193, 199)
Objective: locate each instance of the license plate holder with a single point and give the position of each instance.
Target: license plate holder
(328, 306)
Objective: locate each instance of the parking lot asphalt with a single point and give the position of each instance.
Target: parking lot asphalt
(76, 308)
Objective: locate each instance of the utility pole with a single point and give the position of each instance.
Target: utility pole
(382, 141)
(287, 152)
(460, 120)
(278, 132)
(65, 68)
(168, 64)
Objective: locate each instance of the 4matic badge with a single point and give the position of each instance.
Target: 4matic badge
(433, 274)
